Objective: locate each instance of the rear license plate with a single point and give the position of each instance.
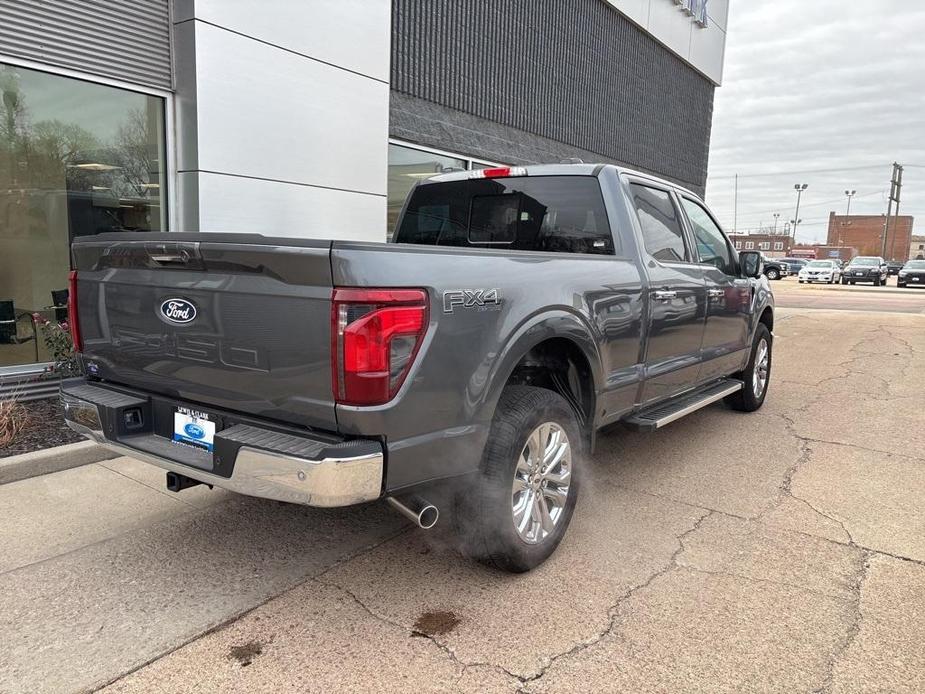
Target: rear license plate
(194, 428)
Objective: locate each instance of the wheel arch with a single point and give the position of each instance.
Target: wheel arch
(555, 351)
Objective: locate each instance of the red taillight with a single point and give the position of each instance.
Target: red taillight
(497, 173)
(375, 335)
(72, 323)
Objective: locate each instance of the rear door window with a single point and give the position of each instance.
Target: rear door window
(662, 231)
(561, 214)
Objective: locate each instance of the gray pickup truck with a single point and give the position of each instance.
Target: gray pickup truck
(472, 359)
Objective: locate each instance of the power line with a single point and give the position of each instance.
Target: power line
(767, 213)
(803, 171)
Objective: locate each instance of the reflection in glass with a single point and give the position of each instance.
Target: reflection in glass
(407, 166)
(76, 159)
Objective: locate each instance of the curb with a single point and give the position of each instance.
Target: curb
(45, 461)
(889, 289)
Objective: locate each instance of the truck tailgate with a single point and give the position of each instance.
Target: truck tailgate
(235, 321)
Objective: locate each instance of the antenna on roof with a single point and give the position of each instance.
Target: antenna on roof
(572, 160)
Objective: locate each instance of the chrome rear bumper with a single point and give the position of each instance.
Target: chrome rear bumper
(327, 482)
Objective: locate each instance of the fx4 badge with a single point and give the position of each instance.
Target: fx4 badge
(479, 299)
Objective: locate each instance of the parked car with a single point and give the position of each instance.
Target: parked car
(775, 269)
(912, 274)
(820, 271)
(795, 264)
(894, 266)
(866, 268)
(473, 359)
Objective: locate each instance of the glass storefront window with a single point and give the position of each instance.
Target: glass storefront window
(76, 159)
(407, 166)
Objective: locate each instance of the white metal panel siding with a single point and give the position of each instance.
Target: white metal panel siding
(124, 39)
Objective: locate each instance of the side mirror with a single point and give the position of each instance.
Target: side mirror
(751, 264)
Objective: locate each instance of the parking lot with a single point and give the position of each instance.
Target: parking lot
(779, 551)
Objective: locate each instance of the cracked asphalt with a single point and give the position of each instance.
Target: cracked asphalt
(781, 551)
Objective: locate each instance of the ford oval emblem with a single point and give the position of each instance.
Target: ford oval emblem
(178, 310)
(194, 431)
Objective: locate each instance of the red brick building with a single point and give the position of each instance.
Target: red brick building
(772, 245)
(865, 232)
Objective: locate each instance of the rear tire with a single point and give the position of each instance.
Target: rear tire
(517, 528)
(757, 374)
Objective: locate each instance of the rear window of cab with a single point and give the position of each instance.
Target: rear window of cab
(559, 214)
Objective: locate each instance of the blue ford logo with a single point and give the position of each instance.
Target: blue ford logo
(194, 431)
(178, 310)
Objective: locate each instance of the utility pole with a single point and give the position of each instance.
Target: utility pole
(899, 188)
(776, 217)
(799, 188)
(896, 184)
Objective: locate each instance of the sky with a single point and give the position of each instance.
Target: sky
(823, 92)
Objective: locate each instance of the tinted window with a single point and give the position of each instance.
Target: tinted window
(562, 214)
(711, 243)
(661, 225)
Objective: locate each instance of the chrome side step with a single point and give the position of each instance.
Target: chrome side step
(683, 405)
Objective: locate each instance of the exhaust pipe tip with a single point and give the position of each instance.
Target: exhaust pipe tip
(419, 511)
(428, 517)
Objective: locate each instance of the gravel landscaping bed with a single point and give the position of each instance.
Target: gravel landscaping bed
(45, 429)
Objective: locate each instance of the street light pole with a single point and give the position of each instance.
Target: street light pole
(776, 217)
(850, 194)
(799, 188)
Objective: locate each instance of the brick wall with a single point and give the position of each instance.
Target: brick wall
(865, 232)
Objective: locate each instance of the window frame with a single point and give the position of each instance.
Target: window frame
(673, 198)
(733, 254)
(468, 158)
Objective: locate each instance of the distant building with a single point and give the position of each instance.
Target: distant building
(917, 248)
(804, 250)
(845, 253)
(772, 245)
(865, 232)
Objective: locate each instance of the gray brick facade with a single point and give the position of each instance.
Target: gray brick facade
(527, 81)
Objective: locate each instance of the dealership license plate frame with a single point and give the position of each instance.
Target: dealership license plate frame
(194, 428)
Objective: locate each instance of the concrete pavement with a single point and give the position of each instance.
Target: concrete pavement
(789, 293)
(778, 551)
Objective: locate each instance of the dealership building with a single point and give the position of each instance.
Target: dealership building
(315, 119)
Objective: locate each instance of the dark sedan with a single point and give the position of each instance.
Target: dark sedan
(912, 274)
(894, 266)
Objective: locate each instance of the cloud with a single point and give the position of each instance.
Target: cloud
(832, 89)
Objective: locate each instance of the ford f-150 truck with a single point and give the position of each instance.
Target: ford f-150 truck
(515, 312)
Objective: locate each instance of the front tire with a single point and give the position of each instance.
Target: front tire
(517, 512)
(773, 274)
(757, 374)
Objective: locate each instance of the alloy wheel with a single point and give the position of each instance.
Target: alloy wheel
(762, 365)
(541, 483)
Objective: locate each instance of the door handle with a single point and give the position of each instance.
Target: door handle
(665, 295)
